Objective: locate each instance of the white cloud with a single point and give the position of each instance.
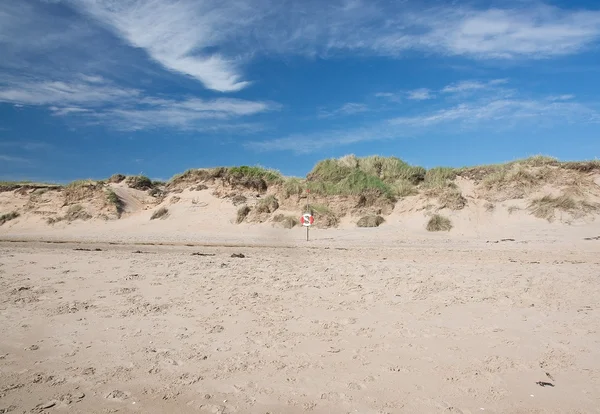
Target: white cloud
(187, 114)
(349, 108)
(57, 92)
(486, 114)
(213, 40)
(95, 99)
(470, 85)
(422, 94)
(543, 110)
(173, 33)
(11, 159)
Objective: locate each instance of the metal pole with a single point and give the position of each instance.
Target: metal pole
(307, 210)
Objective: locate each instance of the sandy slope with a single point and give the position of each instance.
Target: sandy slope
(442, 327)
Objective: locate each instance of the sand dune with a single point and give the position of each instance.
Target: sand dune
(104, 309)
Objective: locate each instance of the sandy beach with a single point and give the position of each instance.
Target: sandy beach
(417, 328)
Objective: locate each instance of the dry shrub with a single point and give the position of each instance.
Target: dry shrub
(489, 207)
(512, 209)
(140, 182)
(161, 213)
(116, 178)
(287, 222)
(515, 181)
(324, 217)
(76, 212)
(83, 190)
(242, 213)
(452, 199)
(8, 217)
(251, 183)
(439, 223)
(267, 205)
(199, 187)
(582, 166)
(238, 199)
(370, 221)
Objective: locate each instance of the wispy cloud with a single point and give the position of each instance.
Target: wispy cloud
(57, 92)
(213, 41)
(422, 94)
(492, 112)
(472, 85)
(349, 108)
(12, 159)
(175, 34)
(190, 114)
(97, 100)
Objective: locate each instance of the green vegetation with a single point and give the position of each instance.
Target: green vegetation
(139, 182)
(115, 200)
(270, 176)
(116, 178)
(350, 175)
(161, 213)
(8, 217)
(439, 223)
(370, 221)
(440, 177)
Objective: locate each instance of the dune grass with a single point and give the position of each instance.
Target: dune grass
(115, 200)
(268, 204)
(161, 213)
(8, 217)
(139, 182)
(242, 213)
(370, 221)
(287, 222)
(545, 207)
(439, 223)
(351, 175)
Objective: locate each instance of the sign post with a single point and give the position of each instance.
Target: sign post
(307, 219)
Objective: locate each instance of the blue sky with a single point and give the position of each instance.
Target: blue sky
(89, 88)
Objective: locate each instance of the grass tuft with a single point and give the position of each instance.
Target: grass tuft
(139, 182)
(76, 212)
(116, 178)
(452, 199)
(161, 213)
(115, 200)
(370, 221)
(439, 177)
(8, 217)
(287, 222)
(439, 223)
(242, 213)
(546, 206)
(268, 204)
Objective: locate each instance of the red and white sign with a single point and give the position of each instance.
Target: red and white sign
(307, 220)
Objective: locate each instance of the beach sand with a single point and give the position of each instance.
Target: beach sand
(352, 322)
